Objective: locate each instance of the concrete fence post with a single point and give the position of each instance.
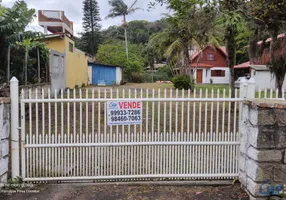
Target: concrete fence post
(247, 88)
(251, 88)
(14, 95)
(243, 88)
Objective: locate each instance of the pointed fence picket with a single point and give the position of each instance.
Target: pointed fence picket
(183, 135)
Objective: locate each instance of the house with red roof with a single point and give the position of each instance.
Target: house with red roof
(258, 69)
(211, 66)
(242, 70)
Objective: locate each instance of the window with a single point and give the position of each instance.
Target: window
(210, 56)
(71, 47)
(218, 73)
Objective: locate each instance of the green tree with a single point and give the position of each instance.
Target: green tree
(271, 16)
(139, 31)
(120, 9)
(112, 53)
(233, 22)
(35, 56)
(12, 25)
(91, 26)
(190, 28)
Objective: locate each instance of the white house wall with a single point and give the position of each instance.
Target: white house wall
(216, 80)
(264, 80)
(220, 80)
(89, 75)
(118, 75)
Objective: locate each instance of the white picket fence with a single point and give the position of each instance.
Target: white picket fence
(183, 135)
(270, 94)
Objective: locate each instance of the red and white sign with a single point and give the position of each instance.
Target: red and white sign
(124, 112)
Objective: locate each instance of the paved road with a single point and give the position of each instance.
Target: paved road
(116, 192)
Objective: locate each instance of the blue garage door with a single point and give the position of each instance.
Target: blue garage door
(103, 73)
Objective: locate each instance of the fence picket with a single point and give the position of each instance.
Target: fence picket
(179, 138)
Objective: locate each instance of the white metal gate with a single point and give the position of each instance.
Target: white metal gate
(183, 135)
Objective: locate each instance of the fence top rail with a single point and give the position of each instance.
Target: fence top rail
(78, 100)
(57, 145)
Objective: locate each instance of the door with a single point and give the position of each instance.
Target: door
(57, 70)
(103, 73)
(199, 76)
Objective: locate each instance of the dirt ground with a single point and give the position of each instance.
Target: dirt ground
(125, 192)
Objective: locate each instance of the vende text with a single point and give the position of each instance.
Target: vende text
(129, 105)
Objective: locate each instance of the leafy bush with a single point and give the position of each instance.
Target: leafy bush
(137, 78)
(157, 76)
(166, 70)
(183, 82)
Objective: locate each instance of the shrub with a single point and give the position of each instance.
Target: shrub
(137, 78)
(157, 76)
(183, 82)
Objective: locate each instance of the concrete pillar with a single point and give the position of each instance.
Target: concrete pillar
(262, 161)
(247, 88)
(14, 95)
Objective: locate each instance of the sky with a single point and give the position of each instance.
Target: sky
(73, 11)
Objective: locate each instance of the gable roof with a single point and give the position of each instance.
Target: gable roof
(221, 49)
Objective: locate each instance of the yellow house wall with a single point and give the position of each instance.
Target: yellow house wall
(56, 44)
(76, 62)
(76, 66)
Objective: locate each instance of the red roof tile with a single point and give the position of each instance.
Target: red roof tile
(270, 39)
(242, 65)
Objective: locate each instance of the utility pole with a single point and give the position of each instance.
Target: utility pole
(39, 66)
(8, 64)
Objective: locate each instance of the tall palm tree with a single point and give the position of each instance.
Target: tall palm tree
(119, 8)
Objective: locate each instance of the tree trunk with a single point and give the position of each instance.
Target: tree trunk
(231, 52)
(275, 65)
(125, 34)
(187, 63)
(198, 60)
(92, 29)
(8, 65)
(187, 66)
(126, 42)
(279, 84)
(253, 47)
(26, 66)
